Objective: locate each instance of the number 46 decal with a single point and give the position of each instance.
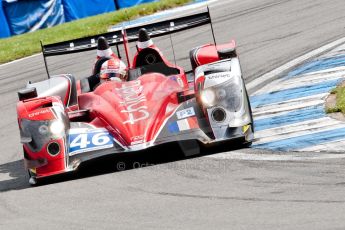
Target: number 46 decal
(84, 142)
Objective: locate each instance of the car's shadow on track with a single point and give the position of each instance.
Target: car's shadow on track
(115, 163)
(18, 176)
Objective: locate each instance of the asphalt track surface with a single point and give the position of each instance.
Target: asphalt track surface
(172, 192)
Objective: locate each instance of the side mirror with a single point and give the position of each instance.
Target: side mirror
(227, 53)
(27, 93)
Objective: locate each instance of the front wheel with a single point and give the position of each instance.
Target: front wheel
(33, 181)
(247, 144)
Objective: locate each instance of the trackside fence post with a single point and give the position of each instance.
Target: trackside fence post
(117, 6)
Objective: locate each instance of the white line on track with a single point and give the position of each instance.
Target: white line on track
(297, 129)
(324, 71)
(293, 102)
(336, 146)
(253, 85)
(339, 50)
(311, 80)
(238, 155)
(19, 60)
(276, 109)
(328, 74)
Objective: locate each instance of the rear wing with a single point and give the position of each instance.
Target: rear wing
(115, 38)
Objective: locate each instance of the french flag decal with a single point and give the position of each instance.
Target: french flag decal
(183, 125)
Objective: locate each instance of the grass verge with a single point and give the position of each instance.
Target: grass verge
(339, 91)
(28, 44)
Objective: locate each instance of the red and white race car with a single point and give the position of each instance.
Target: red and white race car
(64, 122)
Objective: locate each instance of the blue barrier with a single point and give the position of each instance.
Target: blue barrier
(76, 9)
(22, 16)
(30, 15)
(4, 28)
(129, 3)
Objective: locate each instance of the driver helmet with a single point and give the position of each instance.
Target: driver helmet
(113, 69)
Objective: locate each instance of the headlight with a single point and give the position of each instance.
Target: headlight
(208, 97)
(221, 94)
(43, 129)
(228, 95)
(36, 134)
(57, 127)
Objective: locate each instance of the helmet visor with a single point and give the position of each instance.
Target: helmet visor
(109, 75)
